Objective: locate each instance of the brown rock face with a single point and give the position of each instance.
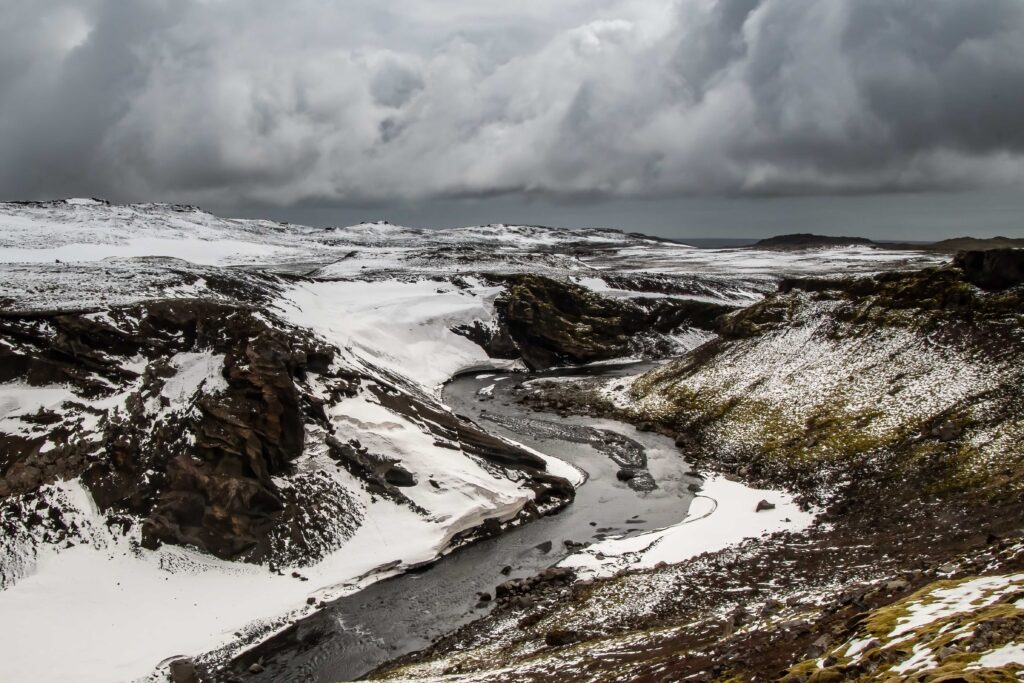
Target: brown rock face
(200, 475)
(553, 322)
(219, 495)
(992, 269)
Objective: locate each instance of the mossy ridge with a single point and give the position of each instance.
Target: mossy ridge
(955, 641)
(934, 306)
(902, 487)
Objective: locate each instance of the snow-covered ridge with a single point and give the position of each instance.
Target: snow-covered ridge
(87, 230)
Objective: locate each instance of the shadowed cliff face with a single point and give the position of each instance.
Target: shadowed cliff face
(197, 471)
(992, 269)
(551, 322)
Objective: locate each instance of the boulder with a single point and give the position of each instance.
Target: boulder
(399, 476)
(992, 269)
(561, 637)
(183, 671)
(947, 431)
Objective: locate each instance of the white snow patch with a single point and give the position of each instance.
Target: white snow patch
(722, 515)
(193, 371)
(404, 327)
(963, 597)
(101, 603)
(1004, 655)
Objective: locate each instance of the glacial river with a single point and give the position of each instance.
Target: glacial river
(393, 617)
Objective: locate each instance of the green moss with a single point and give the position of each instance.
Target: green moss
(959, 629)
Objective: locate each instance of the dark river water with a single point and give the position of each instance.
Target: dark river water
(393, 617)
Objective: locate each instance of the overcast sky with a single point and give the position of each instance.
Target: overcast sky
(897, 118)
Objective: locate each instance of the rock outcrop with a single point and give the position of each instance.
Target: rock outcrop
(184, 416)
(992, 269)
(551, 322)
(199, 474)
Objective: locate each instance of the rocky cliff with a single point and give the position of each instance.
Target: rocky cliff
(551, 322)
(185, 419)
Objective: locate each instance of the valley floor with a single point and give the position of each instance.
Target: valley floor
(242, 435)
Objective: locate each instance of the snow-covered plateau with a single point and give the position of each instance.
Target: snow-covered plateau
(212, 430)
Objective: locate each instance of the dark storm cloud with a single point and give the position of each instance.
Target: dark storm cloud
(228, 102)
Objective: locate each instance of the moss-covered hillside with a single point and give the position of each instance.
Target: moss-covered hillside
(892, 404)
(907, 379)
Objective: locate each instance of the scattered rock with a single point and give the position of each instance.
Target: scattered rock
(763, 505)
(819, 646)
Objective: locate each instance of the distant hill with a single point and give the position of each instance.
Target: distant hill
(977, 243)
(806, 240)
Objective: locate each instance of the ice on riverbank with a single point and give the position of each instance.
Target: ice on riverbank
(725, 512)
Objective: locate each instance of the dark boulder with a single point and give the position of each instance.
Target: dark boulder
(397, 475)
(947, 431)
(992, 269)
(562, 637)
(183, 671)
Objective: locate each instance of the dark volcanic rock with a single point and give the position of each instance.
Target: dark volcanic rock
(553, 322)
(183, 671)
(202, 476)
(992, 269)
(561, 637)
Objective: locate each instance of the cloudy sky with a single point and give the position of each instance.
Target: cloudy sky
(689, 117)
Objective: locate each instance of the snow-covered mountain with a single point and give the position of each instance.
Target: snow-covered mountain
(217, 426)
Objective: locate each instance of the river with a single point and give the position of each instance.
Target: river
(393, 617)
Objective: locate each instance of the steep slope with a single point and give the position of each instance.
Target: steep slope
(143, 443)
(891, 402)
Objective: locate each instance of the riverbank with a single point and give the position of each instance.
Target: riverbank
(403, 614)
